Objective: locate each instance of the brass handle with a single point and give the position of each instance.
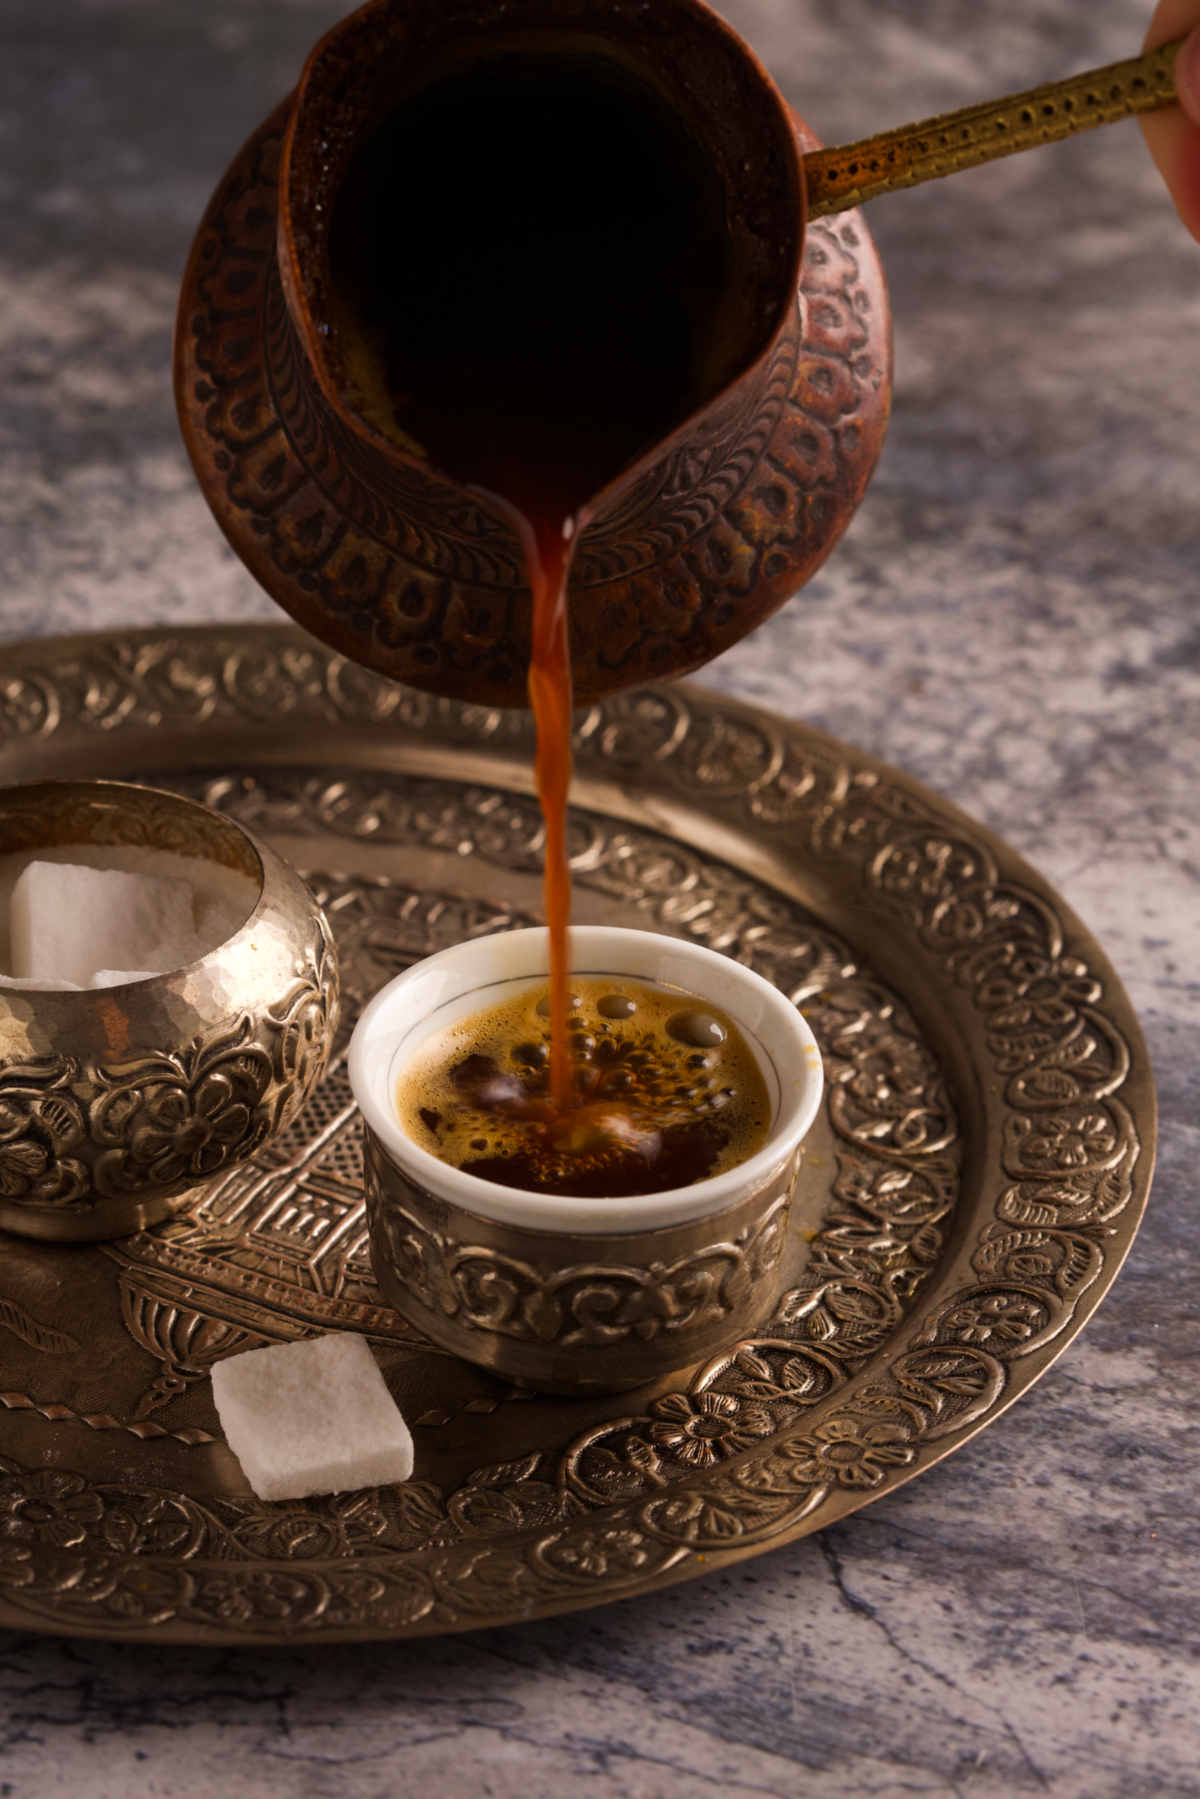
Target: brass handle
(851, 173)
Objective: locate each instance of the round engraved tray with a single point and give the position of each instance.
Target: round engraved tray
(975, 1180)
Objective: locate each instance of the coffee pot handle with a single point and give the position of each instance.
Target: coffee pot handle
(849, 174)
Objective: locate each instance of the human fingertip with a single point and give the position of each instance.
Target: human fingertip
(1187, 75)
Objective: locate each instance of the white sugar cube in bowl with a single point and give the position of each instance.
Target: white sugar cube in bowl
(72, 922)
(168, 1000)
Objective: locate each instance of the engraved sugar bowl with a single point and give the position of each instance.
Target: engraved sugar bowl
(118, 1102)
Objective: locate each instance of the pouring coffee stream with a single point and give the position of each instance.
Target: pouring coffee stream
(835, 180)
(531, 308)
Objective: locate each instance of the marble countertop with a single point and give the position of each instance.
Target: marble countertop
(1012, 618)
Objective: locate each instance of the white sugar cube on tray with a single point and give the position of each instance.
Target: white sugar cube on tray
(311, 1417)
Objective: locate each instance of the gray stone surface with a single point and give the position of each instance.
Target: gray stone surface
(1013, 617)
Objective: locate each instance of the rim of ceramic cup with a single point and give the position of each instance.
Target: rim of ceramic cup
(457, 982)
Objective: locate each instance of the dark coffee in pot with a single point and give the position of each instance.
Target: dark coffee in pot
(532, 270)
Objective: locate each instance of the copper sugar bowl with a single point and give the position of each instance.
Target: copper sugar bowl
(379, 552)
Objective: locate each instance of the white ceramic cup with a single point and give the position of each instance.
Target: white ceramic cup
(561, 1291)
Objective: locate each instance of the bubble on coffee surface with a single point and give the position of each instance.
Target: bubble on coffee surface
(667, 1092)
(700, 1030)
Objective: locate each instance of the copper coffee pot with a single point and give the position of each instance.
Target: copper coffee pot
(404, 569)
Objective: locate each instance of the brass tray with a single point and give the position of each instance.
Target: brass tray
(977, 1177)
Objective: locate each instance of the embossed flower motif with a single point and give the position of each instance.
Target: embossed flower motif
(305, 1042)
(255, 1596)
(151, 1524)
(222, 1596)
(357, 1597)
(38, 1123)
(47, 1506)
(999, 1319)
(417, 1257)
(1033, 991)
(190, 1134)
(299, 1535)
(849, 1453)
(1071, 1142)
(617, 1551)
(147, 1592)
(698, 1519)
(25, 706)
(904, 870)
(699, 1428)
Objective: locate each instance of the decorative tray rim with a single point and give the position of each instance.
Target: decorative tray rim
(1065, 1103)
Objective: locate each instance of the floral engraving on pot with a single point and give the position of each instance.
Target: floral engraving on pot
(303, 1027)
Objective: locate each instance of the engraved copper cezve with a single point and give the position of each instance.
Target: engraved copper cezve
(384, 557)
(381, 555)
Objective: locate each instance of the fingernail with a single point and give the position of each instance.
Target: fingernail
(1187, 75)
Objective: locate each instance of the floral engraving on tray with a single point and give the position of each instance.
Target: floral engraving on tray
(769, 1437)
